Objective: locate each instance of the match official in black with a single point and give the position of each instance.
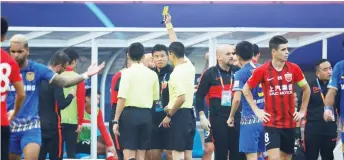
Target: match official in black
(51, 101)
(320, 136)
(217, 83)
(138, 90)
(160, 135)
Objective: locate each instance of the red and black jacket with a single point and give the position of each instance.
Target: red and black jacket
(210, 86)
(115, 87)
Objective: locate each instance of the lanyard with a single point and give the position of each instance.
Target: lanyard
(162, 83)
(221, 80)
(321, 93)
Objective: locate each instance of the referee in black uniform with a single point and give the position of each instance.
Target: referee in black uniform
(51, 101)
(320, 136)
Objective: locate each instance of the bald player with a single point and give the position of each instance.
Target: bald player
(216, 83)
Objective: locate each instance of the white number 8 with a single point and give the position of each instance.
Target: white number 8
(5, 71)
(266, 137)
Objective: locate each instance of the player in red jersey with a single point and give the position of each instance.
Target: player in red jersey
(279, 115)
(9, 73)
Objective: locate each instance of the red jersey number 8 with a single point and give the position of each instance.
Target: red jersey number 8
(5, 71)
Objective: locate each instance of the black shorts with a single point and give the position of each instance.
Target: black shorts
(282, 138)
(208, 135)
(182, 130)
(5, 142)
(135, 128)
(160, 135)
(84, 147)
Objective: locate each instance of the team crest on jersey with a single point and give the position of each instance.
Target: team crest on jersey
(316, 89)
(30, 76)
(288, 77)
(163, 84)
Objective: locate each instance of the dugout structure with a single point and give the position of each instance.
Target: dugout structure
(98, 37)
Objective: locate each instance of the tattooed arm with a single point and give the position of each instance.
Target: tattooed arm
(71, 81)
(67, 81)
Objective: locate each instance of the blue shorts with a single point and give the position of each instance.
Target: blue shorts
(251, 138)
(19, 140)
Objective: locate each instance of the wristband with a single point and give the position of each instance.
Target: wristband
(85, 76)
(328, 108)
(169, 26)
(168, 115)
(114, 122)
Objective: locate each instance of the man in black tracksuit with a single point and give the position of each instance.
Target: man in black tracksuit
(160, 135)
(320, 136)
(51, 101)
(214, 82)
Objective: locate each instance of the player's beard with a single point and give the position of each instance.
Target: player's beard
(21, 62)
(230, 62)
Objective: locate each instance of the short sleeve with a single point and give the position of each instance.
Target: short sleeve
(15, 73)
(334, 82)
(124, 85)
(177, 84)
(45, 73)
(239, 82)
(156, 89)
(256, 78)
(299, 77)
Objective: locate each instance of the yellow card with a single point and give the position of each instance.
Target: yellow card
(165, 11)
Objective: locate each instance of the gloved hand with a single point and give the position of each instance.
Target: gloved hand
(205, 124)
